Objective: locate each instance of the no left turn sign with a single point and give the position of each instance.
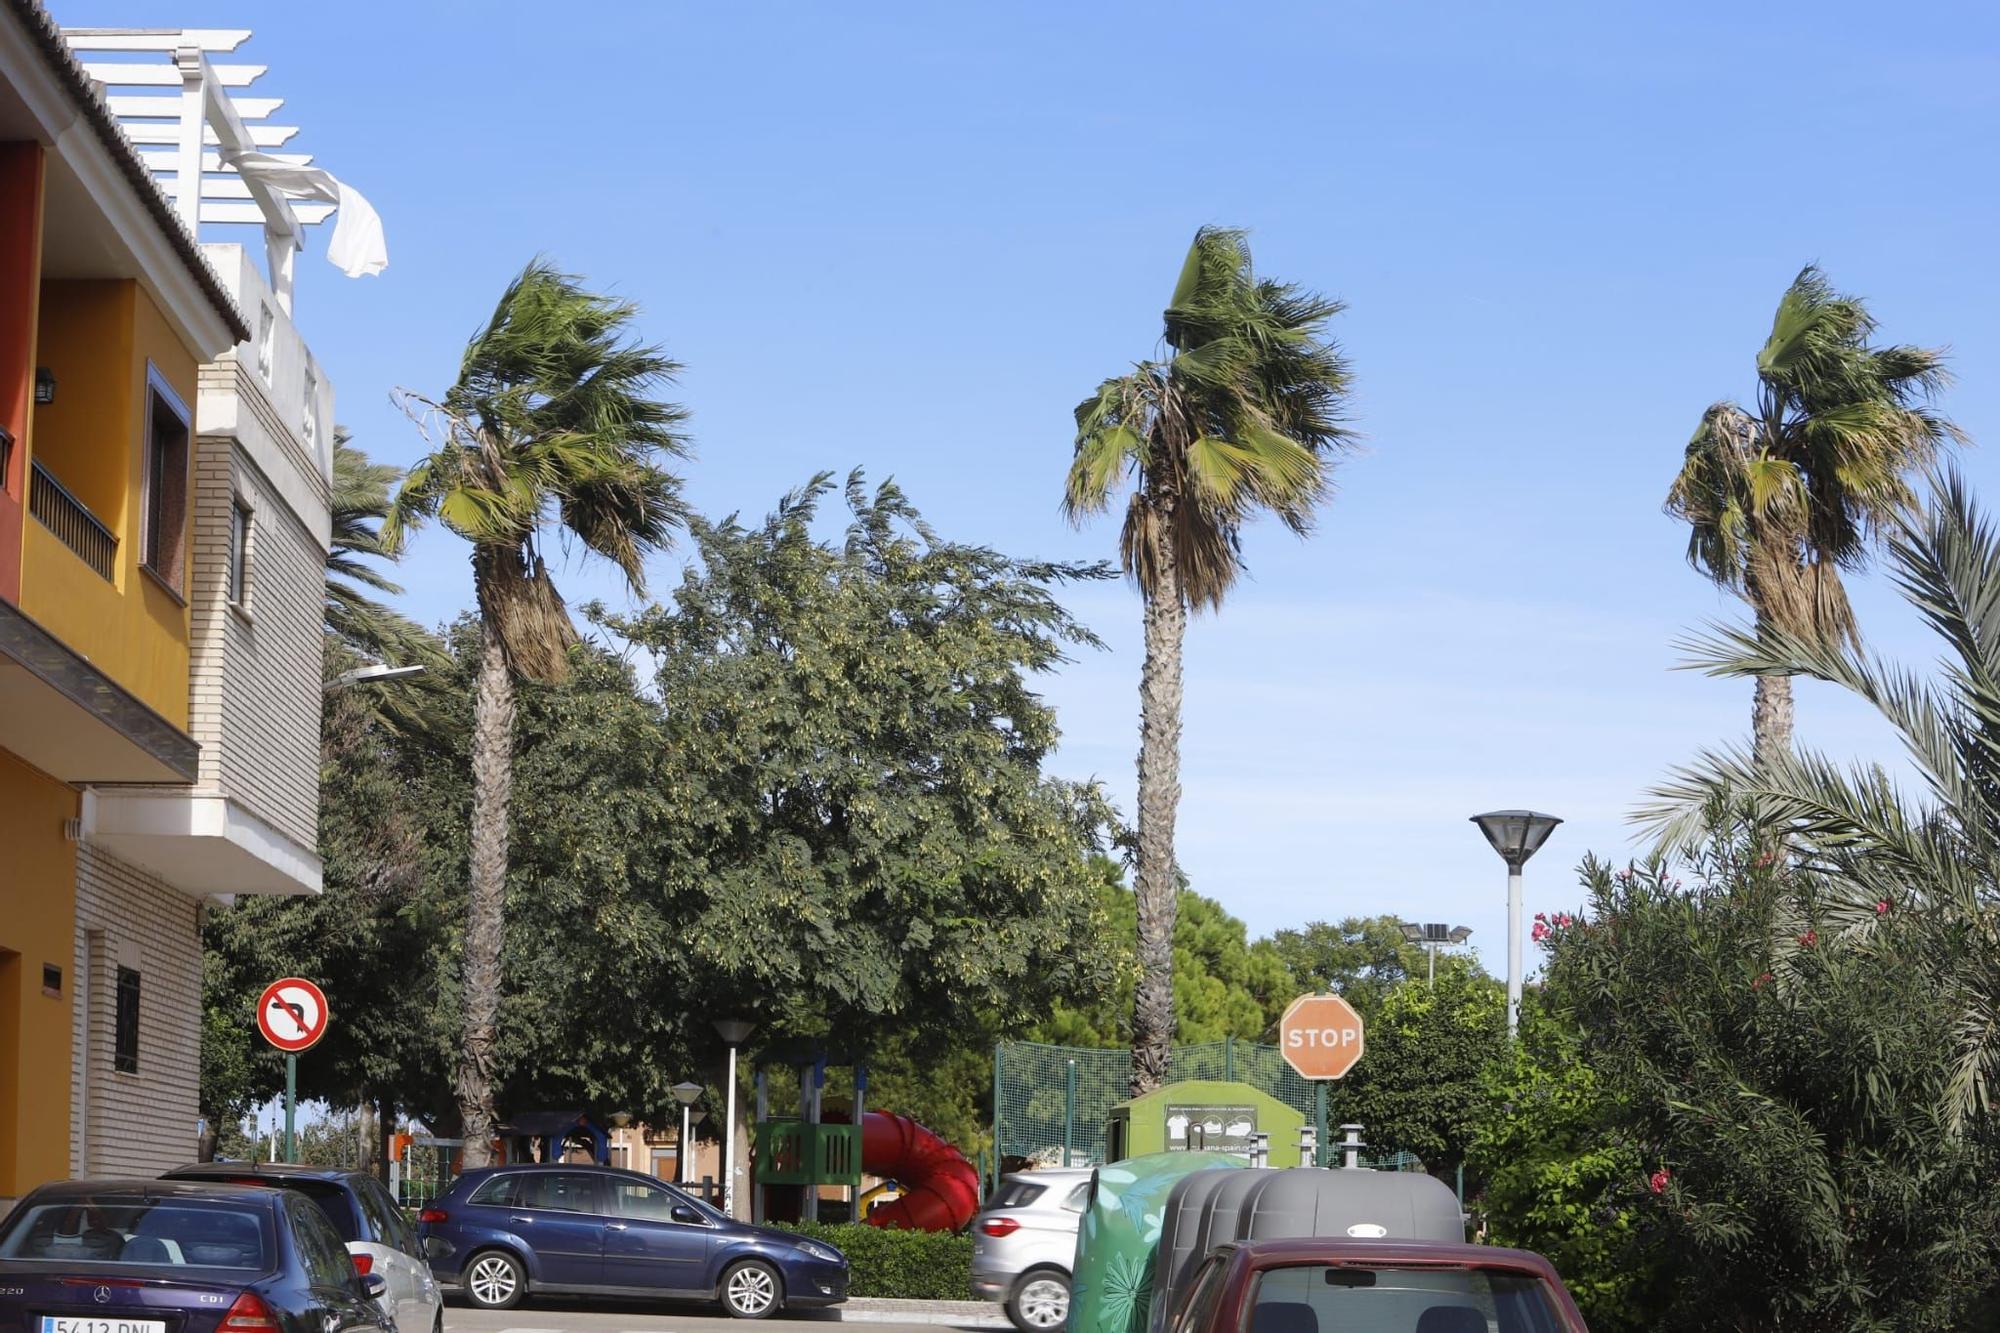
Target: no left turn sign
(291, 1014)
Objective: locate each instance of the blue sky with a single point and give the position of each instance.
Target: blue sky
(911, 237)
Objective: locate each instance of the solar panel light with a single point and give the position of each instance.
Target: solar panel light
(1435, 933)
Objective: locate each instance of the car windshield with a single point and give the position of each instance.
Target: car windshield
(165, 1233)
(1322, 1298)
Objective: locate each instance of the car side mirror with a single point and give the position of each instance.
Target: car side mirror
(374, 1286)
(683, 1213)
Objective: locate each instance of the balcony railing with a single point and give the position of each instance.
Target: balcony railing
(71, 521)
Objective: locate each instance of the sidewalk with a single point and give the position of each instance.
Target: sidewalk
(960, 1314)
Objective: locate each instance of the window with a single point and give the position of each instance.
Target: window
(558, 1192)
(124, 1229)
(125, 1053)
(1316, 1298)
(384, 1218)
(52, 981)
(326, 1260)
(652, 1203)
(1203, 1293)
(497, 1192)
(165, 537)
(1016, 1194)
(239, 553)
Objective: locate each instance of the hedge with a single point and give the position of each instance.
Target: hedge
(906, 1265)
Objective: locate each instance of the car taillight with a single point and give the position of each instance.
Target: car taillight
(248, 1315)
(999, 1226)
(433, 1215)
(364, 1264)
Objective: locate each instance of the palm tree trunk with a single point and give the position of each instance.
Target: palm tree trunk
(485, 900)
(1159, 802)
(1770, 716)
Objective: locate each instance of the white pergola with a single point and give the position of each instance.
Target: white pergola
(187, 117)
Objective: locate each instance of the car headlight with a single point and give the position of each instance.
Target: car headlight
(824, 1253)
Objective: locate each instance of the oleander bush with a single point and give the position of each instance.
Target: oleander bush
(904, 1265)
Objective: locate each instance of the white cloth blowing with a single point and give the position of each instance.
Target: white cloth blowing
(357, 248)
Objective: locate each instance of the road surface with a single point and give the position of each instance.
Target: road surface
(560, 1315)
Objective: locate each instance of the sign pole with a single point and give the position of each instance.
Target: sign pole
(291, 1105)
(1319, 1123)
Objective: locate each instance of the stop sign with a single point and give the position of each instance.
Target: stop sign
(1320, 1036)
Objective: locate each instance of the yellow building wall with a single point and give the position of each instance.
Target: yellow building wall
(37, 926)
(97, 338)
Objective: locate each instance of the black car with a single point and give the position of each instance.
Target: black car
(151, 1256)
(501, 1232)
(365, 1216)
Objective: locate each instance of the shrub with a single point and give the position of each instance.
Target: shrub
(904, 1265)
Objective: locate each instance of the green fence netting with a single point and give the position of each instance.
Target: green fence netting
(1050, 1103)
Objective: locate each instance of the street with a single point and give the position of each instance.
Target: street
(578, 1315)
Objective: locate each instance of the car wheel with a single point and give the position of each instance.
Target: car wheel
(751, 1290)
(494, 1280)
(1040, 1301)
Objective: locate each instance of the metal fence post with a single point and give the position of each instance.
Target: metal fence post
(1229, 1059)
(997, 1112)
(1069, 1109)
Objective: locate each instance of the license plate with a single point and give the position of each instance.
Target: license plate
(65, 1324)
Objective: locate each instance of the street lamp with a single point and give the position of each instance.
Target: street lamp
(1516, 835)
(734, 1032)
(373, 671)
(1433, 936)
(686, 1094)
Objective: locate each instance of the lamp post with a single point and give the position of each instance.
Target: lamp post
(1516, 835)
(734, 1032)
(686, 1094)
(1433, 936)
(373, 671)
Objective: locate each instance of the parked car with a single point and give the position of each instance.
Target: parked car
(150, 1256)
(1024, 1245)
(368, 1221)
(1321, 1284)
(503, 1232)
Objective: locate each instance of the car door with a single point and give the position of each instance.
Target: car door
(654, 1238)
(560, 1214)
(333, 1283)
(391, 1249)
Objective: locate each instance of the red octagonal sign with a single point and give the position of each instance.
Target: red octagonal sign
(1320, 1036)
(291, 1014)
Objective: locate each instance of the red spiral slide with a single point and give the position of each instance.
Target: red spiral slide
(940, 1188)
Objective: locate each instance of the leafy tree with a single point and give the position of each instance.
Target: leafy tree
(1361, 957)
(550, 424)
(862, 842)
(1785, 1096)
(1420, 1089)
(1242, 418)
(1780, 499)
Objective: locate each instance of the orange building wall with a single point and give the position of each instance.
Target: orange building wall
(20, 272)
(98, 338)
(37, 926)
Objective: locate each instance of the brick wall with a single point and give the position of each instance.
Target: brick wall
(143, 1123)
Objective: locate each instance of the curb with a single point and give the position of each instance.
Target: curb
(881, 1310)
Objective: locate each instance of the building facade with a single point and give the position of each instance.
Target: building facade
(165, 465)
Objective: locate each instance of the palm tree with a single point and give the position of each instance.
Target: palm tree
(1934, 862)
(550, 425)
(359, 628)
(1781, 499)
(1241, 415)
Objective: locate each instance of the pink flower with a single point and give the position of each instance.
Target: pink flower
(1541, 931)
(1658, 1180)
(1758, 984)
(1882, 907)
(1810, 938)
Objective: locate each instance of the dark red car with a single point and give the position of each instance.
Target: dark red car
(1322, 1284)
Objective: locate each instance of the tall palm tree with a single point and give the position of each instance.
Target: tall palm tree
(1932, 862)
(359, 628)
(1779, 500)
(1240, 416)
(551, 424)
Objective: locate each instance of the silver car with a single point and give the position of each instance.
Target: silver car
(1024, 1242)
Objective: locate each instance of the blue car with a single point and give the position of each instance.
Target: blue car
(149, 1256)
(502, 1232)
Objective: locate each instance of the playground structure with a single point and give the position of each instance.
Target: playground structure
(796, 1157)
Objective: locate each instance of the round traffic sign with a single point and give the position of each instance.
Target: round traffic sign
(291, 1014)
(1320, 1036)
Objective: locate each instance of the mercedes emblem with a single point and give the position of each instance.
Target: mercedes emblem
(101, 1295)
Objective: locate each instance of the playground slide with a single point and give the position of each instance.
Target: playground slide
(940, 1188)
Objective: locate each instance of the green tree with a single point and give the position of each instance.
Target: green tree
(1785, 1095)
(1242, 418)
(1420, 1089)
(1361, 957)
(551, 425)
(1780, 499)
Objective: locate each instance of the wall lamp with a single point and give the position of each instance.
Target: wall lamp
(45, 386)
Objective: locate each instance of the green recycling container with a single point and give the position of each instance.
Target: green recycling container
(1111, 1287)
